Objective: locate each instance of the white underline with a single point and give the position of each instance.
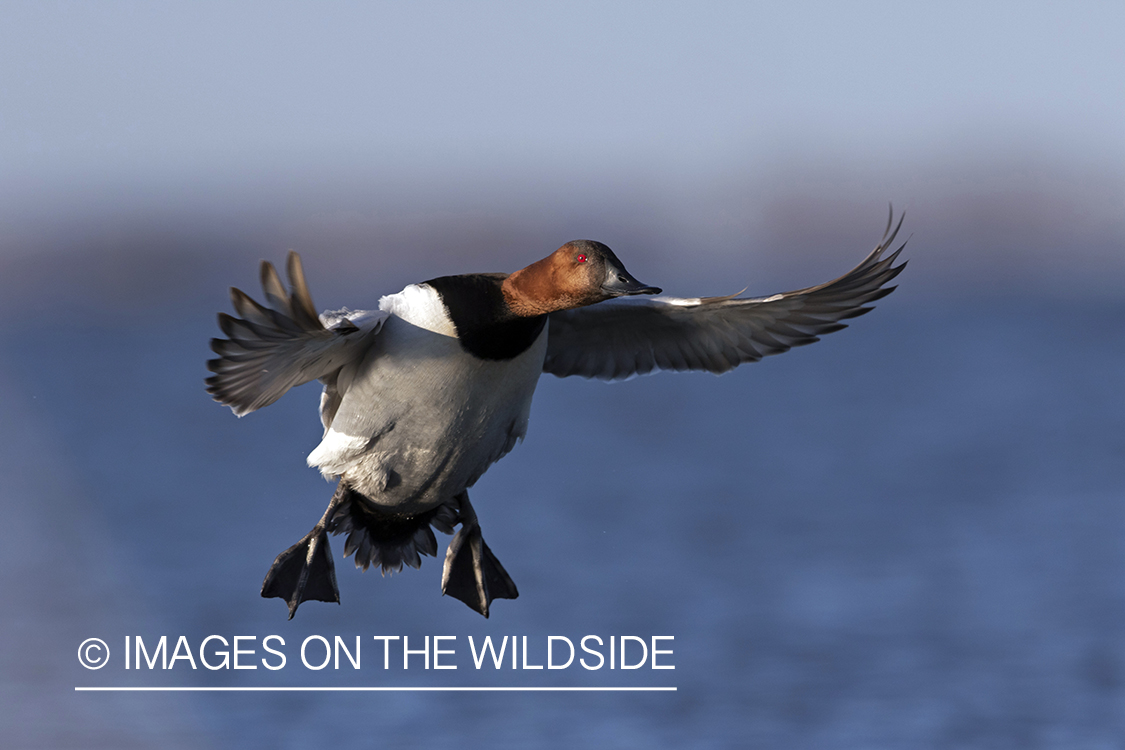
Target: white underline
(450, 689)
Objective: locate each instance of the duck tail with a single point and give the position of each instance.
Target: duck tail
(386, 539)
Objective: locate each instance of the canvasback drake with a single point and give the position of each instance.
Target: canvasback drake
(424, 394)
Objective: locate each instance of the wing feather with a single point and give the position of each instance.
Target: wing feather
(275, 347)
(624, 338)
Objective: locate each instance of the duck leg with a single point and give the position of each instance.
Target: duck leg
(305, 571)
(472, 573)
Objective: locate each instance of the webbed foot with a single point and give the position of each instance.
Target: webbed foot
(305, 571)
(472, 573)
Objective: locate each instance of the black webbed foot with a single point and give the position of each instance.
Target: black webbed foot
(305, 571)
(472, 573)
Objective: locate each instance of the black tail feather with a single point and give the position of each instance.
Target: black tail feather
(386, 539)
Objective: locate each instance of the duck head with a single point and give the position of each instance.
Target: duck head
(579, 273)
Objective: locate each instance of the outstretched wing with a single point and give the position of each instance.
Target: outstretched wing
(623, 338)
(284, 344)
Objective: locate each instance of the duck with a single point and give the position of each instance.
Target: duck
(422, 395)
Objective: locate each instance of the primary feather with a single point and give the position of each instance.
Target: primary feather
(623, 338)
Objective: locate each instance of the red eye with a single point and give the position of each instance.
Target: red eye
(581, 258)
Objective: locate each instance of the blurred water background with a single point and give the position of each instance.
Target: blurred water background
(909, 535)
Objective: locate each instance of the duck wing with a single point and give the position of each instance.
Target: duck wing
(622, 338)
(283, 344)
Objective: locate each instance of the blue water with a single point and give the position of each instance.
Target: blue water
(909, 535)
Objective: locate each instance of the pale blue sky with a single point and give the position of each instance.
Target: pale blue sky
(144, 86)
(958, 109)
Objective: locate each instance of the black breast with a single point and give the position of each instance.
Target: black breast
(485, 326)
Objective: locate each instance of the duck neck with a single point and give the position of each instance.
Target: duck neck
(527, 292)
(539, 290)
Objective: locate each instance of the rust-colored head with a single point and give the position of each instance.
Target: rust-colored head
(579, 273)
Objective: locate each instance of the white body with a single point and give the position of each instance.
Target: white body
(419, 418)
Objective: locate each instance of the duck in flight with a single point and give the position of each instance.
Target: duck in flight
(424, 394)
